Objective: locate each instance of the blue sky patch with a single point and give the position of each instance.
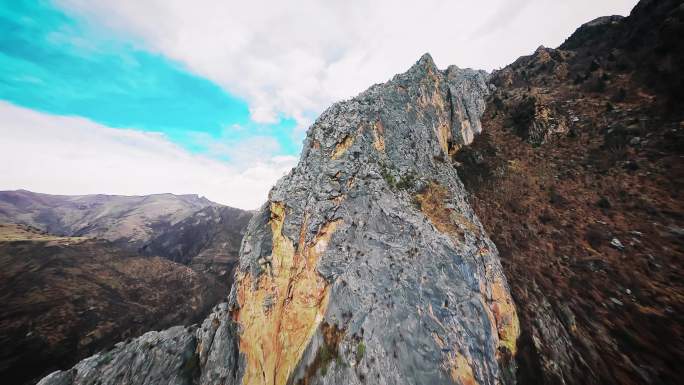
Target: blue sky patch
(55, 63)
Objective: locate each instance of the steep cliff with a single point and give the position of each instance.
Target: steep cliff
(371, 236)
(366, 264)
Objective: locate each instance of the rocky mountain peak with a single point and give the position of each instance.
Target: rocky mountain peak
(425, 61)
(450, 101)
(370, 230)
(365, 251)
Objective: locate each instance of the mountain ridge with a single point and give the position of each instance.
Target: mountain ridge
(136, 223)
(576, 178)
(126, 220)
(410, 246)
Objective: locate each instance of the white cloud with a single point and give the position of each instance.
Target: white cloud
(70, 155)
(239, 152)
(297, 57)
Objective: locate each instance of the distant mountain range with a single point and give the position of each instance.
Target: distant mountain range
(176, 227)
(130, 221)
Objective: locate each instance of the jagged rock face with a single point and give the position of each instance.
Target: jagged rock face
(466, 91)
(366, 265)
(166, 357)
(370, 235)
(174, 356)
(535, 116)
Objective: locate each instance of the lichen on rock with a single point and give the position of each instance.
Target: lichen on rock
(274, 338)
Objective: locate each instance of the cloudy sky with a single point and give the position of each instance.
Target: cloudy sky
(214, 97)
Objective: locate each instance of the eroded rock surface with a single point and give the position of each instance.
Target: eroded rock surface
(366, 265)
(179, 355)
(371, 234)
(166, 357)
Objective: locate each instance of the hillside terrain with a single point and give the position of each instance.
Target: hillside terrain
(577, 178)
(208, 240)
(458, 227)
(64, 298)
(84, 272)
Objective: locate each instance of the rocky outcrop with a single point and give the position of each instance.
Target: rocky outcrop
(180, 355)
(534, 116)
(378, 241)
(366, 264)
(466, 95)
(166, 357)
(205, 354)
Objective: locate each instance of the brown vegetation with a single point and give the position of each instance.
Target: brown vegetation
(588, 220)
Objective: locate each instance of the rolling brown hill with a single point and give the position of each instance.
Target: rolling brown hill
(187, 229)
(64, 298)
(207, 240)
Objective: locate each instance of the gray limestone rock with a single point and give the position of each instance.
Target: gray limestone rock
(180, 355)
(166, 357)
(410, 273)
(366, 265)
